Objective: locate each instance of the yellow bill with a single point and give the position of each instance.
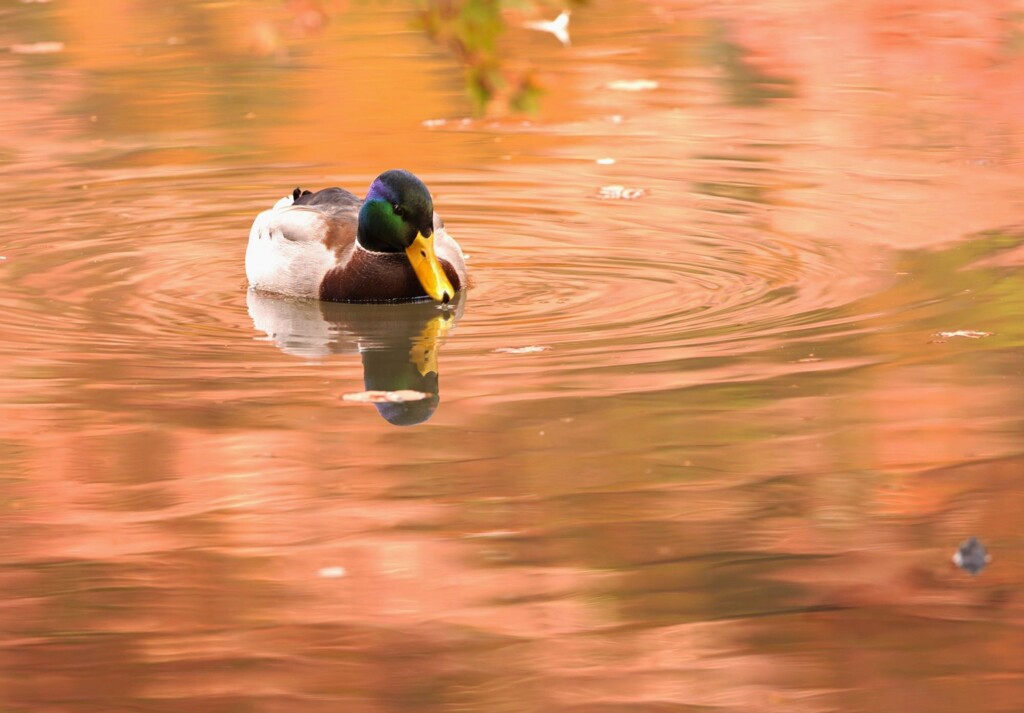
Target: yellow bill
(428, 269)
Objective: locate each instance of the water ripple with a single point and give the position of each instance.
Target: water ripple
(649, 283)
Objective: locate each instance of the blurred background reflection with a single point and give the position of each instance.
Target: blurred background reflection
(740, 368)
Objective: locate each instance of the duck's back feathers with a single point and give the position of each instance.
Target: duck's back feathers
(329, 200)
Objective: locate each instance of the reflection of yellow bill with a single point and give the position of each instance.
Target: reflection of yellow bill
(428, 269)
(424, 348)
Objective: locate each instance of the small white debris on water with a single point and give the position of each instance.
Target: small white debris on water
(606, 161)
(620, 193)
(332, 572)
(632, 85)
(386, 397)
(431, 123)
(521, 350)
(38, 48)
(967, 333)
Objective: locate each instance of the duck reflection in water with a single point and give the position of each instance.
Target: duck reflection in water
(397, 342)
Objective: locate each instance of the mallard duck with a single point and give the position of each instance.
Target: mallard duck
(329, 245)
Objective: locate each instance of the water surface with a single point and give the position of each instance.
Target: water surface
(702, 446)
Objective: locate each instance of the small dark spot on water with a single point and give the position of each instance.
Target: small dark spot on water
(971, 556)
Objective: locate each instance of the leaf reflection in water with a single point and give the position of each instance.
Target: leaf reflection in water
(386, 397)
(471, 30)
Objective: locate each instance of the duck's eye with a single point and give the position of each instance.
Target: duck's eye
(399, 210)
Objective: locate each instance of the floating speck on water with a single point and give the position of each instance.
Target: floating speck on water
(521, 350)
(620, 193)
(606, 161)
(633, 85)
(386, 397)
(615, 118)
(971, 556)
(332, 572)
(940, 337)
(38, 48)
(431, 123)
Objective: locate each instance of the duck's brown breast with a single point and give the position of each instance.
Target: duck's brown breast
(377, 277)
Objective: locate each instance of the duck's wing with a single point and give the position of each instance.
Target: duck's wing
(306, 216)
(297, 225)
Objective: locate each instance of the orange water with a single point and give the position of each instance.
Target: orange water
(699, 448)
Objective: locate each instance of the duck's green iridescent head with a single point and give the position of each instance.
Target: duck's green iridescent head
(398, 216)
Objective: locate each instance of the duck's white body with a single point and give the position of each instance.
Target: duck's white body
(287, 253)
